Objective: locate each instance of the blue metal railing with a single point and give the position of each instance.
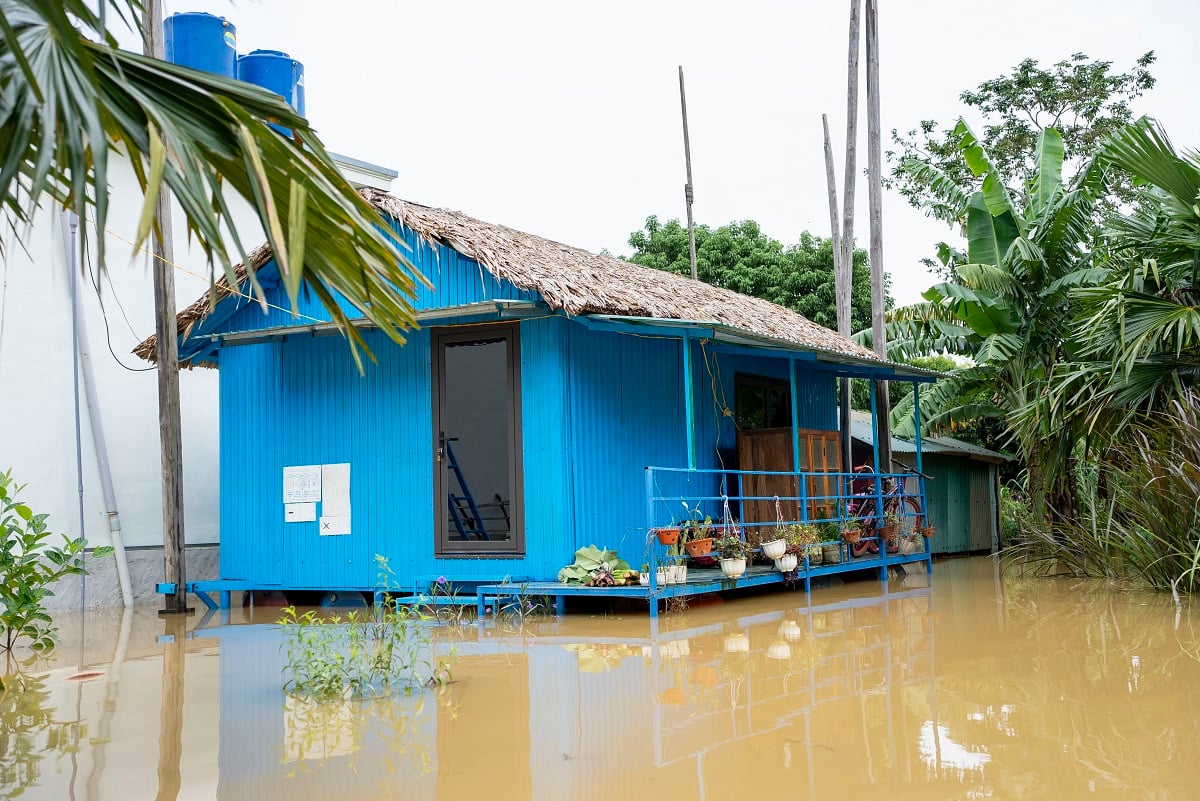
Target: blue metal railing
(757, 505)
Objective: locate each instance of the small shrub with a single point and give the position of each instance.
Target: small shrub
(29, 564)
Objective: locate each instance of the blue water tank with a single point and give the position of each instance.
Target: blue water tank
(201, 41)
(277, 72)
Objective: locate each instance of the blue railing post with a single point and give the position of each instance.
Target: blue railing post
(653, 582)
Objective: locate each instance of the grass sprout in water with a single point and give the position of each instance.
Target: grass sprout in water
(381, 652)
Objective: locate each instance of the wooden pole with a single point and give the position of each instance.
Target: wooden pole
(851, 155)
(167, 353)
(688, 194)
(842, 283)
(875, 196)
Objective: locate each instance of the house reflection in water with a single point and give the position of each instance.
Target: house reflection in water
(817, 699)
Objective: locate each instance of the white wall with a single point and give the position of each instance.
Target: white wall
(37, 429)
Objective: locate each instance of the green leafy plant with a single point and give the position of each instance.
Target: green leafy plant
(593, 564)
(364, 654)
(799, 536)
(731, 546)
(29, 564)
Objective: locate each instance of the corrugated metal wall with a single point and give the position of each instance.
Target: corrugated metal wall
(626, 413)
(303, 402)
(960, 503)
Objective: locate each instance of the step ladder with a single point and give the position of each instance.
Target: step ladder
(463, 510)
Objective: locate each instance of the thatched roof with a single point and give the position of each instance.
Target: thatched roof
(574, 281)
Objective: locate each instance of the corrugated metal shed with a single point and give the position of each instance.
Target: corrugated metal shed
(962, 494)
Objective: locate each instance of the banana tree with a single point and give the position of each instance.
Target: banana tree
(1007, 305)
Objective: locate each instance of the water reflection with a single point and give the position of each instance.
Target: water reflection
(975, 687)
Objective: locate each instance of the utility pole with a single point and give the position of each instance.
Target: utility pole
(875, 195)
(688, 195)
(167, 354)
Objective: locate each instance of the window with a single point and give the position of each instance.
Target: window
(761, 402)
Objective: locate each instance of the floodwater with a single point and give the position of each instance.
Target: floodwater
(981, 686)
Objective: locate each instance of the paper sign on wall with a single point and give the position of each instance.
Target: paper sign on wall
(302, 484)
(299, 512)
(334, 526)
(335, 486)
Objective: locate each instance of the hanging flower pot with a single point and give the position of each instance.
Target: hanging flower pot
(786, 563)
(852, 534)
(667, 536)
(774, 549)
(927, 532)
(733, 568)
(702, 547)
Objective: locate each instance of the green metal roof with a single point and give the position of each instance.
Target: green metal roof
(860, 430)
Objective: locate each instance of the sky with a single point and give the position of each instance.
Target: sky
(563, 119)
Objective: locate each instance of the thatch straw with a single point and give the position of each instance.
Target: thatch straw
(573, 281)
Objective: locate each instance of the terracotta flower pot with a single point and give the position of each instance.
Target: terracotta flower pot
(701, 547)
(927, 532)
(852, 534)
(667, 536)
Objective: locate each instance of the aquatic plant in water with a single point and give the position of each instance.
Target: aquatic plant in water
(388, 649)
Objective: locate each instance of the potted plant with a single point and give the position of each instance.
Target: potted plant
(733, 551)
(668, 535)
(697, 532)
(831, 542)
(773, 549)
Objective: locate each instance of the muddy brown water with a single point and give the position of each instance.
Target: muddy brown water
(979, 686)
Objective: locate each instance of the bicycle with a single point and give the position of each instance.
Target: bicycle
(897, 504)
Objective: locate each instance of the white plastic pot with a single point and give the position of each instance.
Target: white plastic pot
(786, 563)
(663, 576)
(774, 549)
(733, 568)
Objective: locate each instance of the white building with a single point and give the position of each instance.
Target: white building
(37, 409)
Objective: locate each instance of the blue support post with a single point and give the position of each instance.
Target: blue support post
(689, 401)
(921, 479)
(879, 513)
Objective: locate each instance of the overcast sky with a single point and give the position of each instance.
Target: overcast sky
(562, 119)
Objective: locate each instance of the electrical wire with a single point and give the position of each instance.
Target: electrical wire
(94, 280)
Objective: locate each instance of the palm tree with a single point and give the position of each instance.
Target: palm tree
(71, 101)
(1006, 307)
(1137, 332)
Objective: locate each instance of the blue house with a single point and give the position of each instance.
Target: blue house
(517, 424)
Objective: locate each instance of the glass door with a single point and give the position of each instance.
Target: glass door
(477, 448)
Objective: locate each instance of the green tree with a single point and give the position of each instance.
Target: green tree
(1137, 331)
(740, 257)
(1083, 100)
(72, 101)
(1008, 310)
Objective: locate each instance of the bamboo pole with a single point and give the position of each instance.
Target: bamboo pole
(851, 153)
(688, 194)
(842, 284)
(875, 200)
(167, 351)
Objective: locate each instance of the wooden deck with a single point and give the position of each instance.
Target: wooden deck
(701, 581)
